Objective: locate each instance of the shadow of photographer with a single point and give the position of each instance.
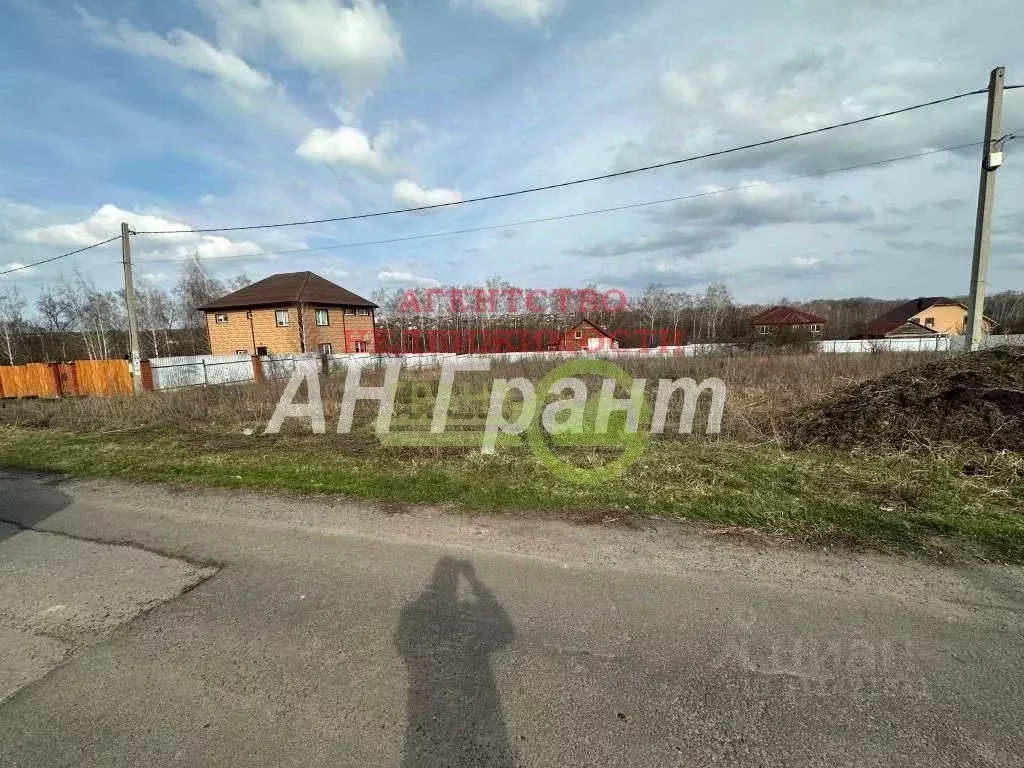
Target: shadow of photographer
(446, 639)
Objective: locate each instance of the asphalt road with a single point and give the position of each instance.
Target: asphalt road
(340, 634)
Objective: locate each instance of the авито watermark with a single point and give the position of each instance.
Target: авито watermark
(560, 412)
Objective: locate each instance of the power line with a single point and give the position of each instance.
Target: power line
(62, 256)
(575, 182)
(563, 217)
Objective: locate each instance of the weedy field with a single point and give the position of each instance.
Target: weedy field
(777, 469)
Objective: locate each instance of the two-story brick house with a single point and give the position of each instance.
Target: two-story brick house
(292, 312)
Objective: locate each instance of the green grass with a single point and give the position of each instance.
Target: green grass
(923, 504)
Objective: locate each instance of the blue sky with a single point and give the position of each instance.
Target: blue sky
(198, 113)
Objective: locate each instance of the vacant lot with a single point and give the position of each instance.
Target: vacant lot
(939, 499)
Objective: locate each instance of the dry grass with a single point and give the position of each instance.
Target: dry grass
(926, 501)
(763, 393)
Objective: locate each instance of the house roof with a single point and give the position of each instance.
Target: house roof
(599, 329)
(787, 316)
(908, 309)
(885, 328)
(287, 289)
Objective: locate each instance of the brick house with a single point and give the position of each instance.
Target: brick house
(777, 319)
(926, 316)
(292, 312)
(584, 336)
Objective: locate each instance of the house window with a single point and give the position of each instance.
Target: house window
(325, 349)
(360, 346)
(350, 310)
(281, 317)
(578, 334)
(241, 351)
(262, 351)
(816, 328)
(929, 322)
(363, 312)
(221, 318)
(322, 317)
(764, 330)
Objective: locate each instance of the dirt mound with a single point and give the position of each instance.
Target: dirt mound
(975, 399)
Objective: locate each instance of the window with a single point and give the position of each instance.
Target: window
(360, 346)
(816, 328)
(262, 351)
(578, 334)
(221, 318)
(350, 310)
(324, 349)
(322, 317)
(929, 322)
(281, 317)
(764, 330)
(364, 312)
(241, 351)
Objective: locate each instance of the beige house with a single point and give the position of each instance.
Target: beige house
(925, 316)
(292, 312)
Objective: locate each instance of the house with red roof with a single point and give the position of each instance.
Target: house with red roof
(585, 336)
(779, 318)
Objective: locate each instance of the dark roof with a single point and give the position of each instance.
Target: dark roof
(908, 309)
(599, 329)
(288, 289)
(906, 328)
(787, 316)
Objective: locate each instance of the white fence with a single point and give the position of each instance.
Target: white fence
(200, 370)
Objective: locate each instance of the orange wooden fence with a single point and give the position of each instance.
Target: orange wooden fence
(102, 378)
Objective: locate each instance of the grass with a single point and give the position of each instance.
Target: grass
(935, 501)
(923, 504)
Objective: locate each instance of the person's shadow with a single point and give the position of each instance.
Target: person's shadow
(454, 712)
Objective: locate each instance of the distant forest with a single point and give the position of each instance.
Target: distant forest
(73, 319)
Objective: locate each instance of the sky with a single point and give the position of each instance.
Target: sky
(191, 114)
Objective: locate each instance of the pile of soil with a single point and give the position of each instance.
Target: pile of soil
(975, 399)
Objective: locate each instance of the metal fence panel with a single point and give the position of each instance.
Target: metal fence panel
(199, 370)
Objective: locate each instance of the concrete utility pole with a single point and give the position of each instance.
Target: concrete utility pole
(991, 159)
(129, 299)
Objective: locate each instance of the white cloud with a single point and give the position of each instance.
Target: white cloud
(181, 48)
(23, 270)
(207, 199)
(347, 145)
(806, 262)
(335, 272)
(358, 43)
(107, 222)
(531, 11)
(409, 194)
(406, 278)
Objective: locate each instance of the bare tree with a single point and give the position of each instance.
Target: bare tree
(12, 323)
(156, 316)
(196, 287)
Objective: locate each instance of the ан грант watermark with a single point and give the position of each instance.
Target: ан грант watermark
(582, 404)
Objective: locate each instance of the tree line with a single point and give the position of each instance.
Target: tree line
(709, 316)
(73, 319)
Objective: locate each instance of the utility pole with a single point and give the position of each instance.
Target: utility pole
(991, 159)
(129, 298)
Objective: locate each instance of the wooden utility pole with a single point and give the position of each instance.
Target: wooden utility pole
(991, 159)
(129, 299)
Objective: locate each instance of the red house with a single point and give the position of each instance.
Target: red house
(786, 318)
(585, 336)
